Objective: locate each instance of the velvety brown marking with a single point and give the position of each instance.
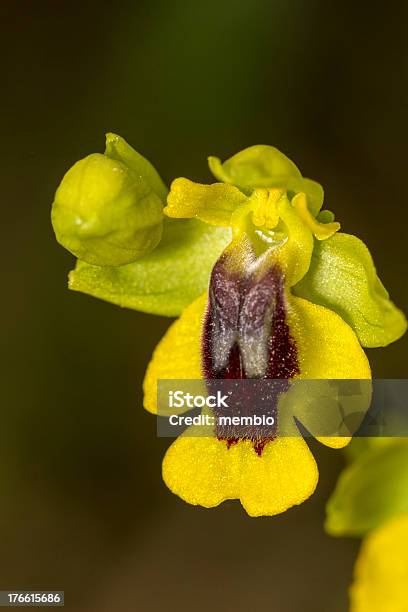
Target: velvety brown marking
(245, 328)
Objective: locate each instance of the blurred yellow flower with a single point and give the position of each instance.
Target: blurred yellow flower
(381, 572)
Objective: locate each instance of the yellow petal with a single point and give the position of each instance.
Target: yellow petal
(178, 354)
(381, 572)
(321, 231)
(213, 204)
(204, 471)
(296, 253)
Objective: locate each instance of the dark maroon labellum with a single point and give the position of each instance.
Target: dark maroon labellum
(246, 336)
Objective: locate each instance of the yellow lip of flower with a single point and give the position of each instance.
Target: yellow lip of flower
(381, 571)
(203, 470)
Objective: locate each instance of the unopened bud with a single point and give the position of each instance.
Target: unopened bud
(106, 211)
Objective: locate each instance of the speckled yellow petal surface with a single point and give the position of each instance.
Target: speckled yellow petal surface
(327, 348)
(197, 469)
(203, 471)
(381, 572)
(178, 354)
(284, 475)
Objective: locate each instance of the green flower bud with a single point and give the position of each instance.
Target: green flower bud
(106, 210)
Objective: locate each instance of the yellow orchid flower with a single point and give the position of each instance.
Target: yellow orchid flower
(381, 572)
(251, 325)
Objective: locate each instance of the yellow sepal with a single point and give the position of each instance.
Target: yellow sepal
(203, 470)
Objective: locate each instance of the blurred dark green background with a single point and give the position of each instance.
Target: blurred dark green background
(82, 504)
